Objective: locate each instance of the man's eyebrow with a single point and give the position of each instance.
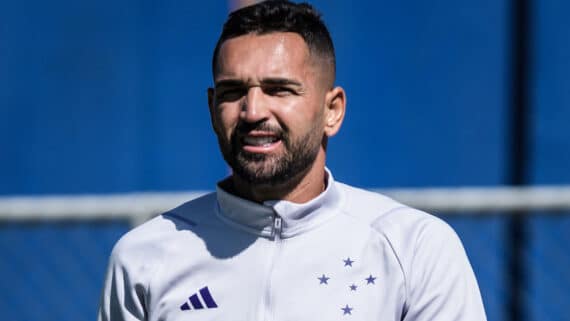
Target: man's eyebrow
(273, 81)
(280, 81)
(229, 83)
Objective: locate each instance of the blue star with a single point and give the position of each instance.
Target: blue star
(346, 310)
(323, 279)
(353, 287)
(348, 262)
(370, 279)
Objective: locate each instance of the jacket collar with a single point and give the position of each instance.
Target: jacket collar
(296, 218)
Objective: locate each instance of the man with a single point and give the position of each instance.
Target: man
(280, 239)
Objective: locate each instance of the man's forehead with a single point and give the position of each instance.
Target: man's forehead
(245, 51)
(252, 57)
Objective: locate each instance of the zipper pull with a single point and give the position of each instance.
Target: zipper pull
(277, 227)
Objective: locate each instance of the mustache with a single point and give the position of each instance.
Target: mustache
(244, 128)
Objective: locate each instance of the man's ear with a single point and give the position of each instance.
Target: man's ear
(335, 107)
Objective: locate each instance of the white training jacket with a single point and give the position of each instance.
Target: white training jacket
(348, 254)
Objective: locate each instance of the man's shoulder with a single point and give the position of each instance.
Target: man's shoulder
(367, 205)
(155, 235)
(396, 221)
(406, 229)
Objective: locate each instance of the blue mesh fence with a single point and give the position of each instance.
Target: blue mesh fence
(547, 257)
(54, 271)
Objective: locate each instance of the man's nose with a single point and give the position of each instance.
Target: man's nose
(254, 106)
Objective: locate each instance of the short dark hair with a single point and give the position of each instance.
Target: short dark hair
(280, 16)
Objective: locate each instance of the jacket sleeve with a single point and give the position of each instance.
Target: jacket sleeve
(124, 291)
(441, 282)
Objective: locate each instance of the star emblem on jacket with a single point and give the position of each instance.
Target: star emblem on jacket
(348, 262)
(352, 284)
(324, 279)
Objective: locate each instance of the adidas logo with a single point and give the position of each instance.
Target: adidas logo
(198, 300)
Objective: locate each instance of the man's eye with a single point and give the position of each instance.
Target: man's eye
(230, 94)
(278, 91)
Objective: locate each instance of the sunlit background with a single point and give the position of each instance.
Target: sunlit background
(109, 97)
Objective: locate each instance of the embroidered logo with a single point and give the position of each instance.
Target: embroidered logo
(198, 300)
(354, 287)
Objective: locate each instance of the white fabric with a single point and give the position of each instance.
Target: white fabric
(348, 254)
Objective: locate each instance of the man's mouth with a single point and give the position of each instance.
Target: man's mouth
(261, 142)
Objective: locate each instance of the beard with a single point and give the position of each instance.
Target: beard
(297, 155)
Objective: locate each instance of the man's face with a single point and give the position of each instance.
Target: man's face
(267, 106)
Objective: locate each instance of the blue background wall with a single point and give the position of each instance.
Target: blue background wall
(110, 96)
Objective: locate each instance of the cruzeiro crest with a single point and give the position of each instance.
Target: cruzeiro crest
(353, 284)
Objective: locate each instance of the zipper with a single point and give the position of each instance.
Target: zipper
(277, 228)
(268, 313)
